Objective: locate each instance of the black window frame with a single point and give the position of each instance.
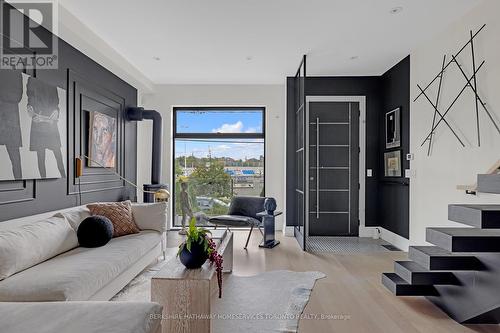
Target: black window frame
(176, 135)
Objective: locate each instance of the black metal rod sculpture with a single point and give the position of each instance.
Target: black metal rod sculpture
(437, 104)
(477, 95)
(442, 117)
(470, 83)
(449, 63)
(453, 103)
(475, 87)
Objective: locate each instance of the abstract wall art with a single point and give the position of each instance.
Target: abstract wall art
(32, 128)
(392, 164)
(393, 128)
(102, 140)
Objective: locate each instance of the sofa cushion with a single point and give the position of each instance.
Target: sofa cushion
(120, 214)
(80, 317)
(75, 216)
(78, 274)
(150, 216)
(24, 246)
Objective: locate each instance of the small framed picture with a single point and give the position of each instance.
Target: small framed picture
(392, 163)
(393, 128)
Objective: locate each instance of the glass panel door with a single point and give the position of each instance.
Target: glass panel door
(300, 229)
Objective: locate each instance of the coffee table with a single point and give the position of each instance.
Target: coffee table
(186, 294)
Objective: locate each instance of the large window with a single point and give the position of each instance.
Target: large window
(218, 153)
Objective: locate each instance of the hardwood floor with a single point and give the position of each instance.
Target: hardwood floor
(352, 288)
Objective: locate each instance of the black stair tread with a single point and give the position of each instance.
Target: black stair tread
(396, 278)
(465, 239)
(400, 287)
(436, 251)
(416, 274)
(486, 216)
(412, 266)
(436, 258)
(488, 183)
(468, 232)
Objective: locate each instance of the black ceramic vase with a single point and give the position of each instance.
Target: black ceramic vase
(194, 258)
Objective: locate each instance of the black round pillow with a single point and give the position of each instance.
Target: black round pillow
(94, 231)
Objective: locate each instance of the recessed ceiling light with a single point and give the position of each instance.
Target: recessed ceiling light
(354, 58)
(156, 58)
(396, 10)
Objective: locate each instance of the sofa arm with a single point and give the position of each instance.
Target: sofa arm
(150, 216)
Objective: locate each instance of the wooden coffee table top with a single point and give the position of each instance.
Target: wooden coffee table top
(175, 270)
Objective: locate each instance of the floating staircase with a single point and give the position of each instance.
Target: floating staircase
(461, 273)
(489, 182)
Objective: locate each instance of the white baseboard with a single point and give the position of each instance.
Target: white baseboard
(389, 236)
(288, 231)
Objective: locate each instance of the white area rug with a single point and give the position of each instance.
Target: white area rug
(267, 302)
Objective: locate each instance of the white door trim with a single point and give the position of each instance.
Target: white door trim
(362, 146)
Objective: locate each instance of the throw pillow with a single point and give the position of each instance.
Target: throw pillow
(150, 216)
(119, 213)
(95, 231)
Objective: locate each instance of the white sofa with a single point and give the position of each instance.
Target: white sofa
(77, 274)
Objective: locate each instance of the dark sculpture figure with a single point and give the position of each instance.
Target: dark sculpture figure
(11, 92)
(270, 205)
(187, 212)
(43, 108)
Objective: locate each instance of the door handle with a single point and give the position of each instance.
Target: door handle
(317, 167)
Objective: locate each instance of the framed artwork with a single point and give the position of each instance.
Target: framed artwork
(32, 128)
(102, 140)
(392, 163)
(393, 128)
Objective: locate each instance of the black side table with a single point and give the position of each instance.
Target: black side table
(268, 221)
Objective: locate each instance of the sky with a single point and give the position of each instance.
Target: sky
(220, 122)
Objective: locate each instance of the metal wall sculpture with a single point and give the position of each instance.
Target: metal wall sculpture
(470, 82)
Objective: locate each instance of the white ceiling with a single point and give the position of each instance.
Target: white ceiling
(262, 41)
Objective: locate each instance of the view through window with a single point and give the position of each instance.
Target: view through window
(218, 153)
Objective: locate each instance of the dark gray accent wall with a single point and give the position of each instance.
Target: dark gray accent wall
(90, 87)
(387, 200)
(393, 200)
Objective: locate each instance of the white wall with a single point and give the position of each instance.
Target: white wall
(434, 178)
(168, 96)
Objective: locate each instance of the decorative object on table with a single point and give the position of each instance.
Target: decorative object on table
(197, 248)
(470, 82)
(270, 205)
(32, 121)
(95, 231)
(162, 195)
(187, 212)
(242, 213)
(120, 214)
(392, 163)
(393, 128)
(102, 140)
(268, 219)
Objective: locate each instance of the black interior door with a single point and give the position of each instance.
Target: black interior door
(333, 168)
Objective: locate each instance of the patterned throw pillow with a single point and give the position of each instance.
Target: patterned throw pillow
(120, 214)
